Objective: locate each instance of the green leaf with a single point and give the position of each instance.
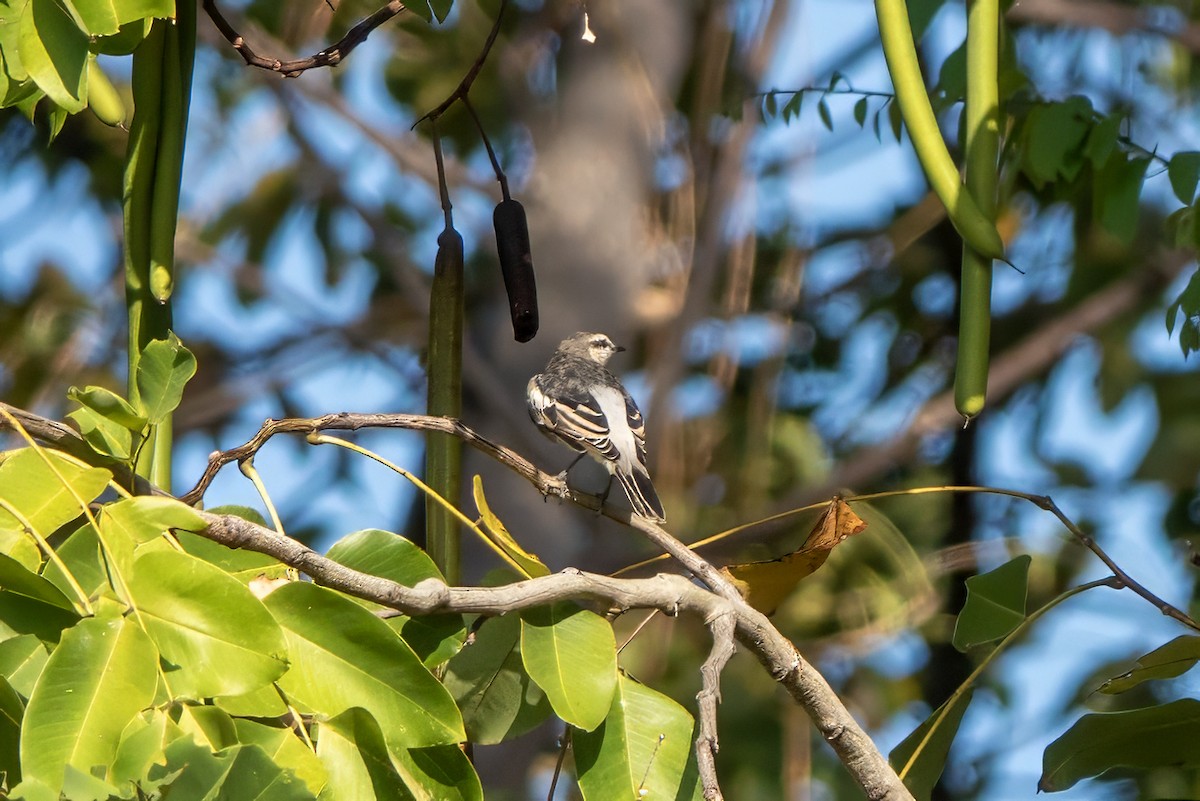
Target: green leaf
(434, 638)
(1165, 662)
(823, 113)
(893, 113)
(860, 111)
(105, 17)
(214, 636)
(1054, 135)
(488, 680)
(243, 565)
(791, 109)
(351, 748)
(133, 522)
(421, 9)
(106, 437)
(1117, 192)
(572, 655)
(1184, 172)
(12, 710)
(21, 662)
(921, 773)
(384, 554)
(54, 52)
(46, 496)
(241, 772)
(1102, 139)
(141, 747)
(15, 578)
(165, 367)
(1158, 736)
(343, 656)
(995, 604)
(124, 41)
(80, 552)
(439, 773)
(106, 421)
(20, 614)
(769, 105)
(10, 41)
(640, 751)
(100, 676)
(109, 405)
(31, 604)
(285, 750)
(441, 8)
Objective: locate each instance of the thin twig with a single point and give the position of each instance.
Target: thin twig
(329, 57)
(564, 744)
(464, 86)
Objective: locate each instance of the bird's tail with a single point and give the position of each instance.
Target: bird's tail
(642, 497)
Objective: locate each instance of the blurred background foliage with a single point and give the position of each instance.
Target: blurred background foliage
(718, 186)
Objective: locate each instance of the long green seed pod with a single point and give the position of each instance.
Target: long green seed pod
(900, 52)
(443, 452)
(981, 118)
(103, 98)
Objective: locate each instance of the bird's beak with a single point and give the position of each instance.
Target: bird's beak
(619, 348)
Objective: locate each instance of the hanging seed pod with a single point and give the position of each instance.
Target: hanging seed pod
(516, 264)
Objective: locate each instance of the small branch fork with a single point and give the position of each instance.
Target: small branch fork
(329, 57)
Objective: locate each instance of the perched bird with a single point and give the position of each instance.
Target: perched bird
(577, 401)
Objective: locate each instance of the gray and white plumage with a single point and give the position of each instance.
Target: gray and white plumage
(578, 402)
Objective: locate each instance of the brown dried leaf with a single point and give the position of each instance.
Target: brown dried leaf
(765, 585)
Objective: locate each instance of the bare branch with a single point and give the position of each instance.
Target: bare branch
(329, 57)
(722, 629)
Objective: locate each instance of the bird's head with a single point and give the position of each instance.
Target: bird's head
(597, 347)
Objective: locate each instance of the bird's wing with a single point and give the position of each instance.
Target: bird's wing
(637, 427)
(575, 417)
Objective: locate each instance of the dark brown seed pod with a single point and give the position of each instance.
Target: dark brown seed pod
(516, 264)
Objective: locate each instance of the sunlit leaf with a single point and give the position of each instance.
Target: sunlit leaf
(100, 676)
(572, 655)
(163, 370)
(46, 496)
(533, 566)
(214, 636)
(105, 17)
(640, 751)
(343, 656)
(54, 52)
(243, 771)
(434, 638)
(286, 750)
